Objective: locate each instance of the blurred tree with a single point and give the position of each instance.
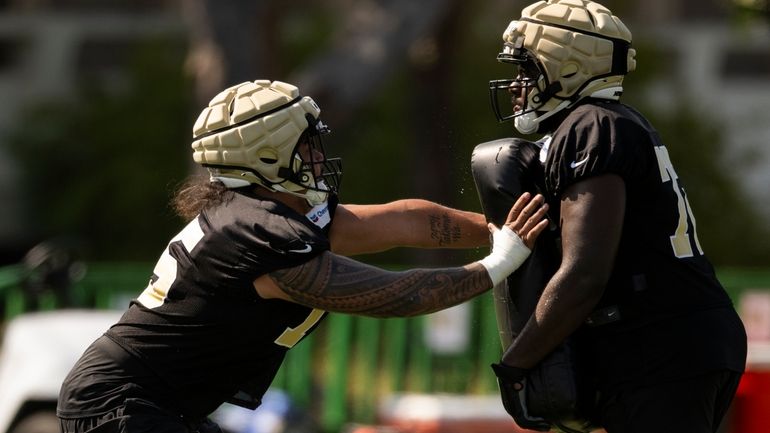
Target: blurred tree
(373, 41)
(347, 64)
(229, 42)
(99, 167)
(402, 84)
(747, 10)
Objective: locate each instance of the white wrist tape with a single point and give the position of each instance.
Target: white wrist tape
(508, 253)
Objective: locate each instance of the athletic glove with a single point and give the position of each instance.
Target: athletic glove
(513, 391)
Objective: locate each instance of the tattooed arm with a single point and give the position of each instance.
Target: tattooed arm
(335, 283)
(359, 229)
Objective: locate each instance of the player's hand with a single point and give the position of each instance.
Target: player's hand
(526, 218)
(512, 244)
(513, 392)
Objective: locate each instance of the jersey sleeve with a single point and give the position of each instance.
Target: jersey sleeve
(265, 236)
(285, 242)
(298, 238)
(593, 141)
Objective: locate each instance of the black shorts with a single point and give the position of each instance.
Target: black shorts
(693, 405)
(137, 416)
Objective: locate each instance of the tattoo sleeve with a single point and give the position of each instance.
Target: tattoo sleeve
(336, 283)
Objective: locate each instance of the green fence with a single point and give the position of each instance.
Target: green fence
(341, 371)
(338, 372)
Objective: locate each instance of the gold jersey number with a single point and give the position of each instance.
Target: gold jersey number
(682, 239)
(165, 270)
(156, 291)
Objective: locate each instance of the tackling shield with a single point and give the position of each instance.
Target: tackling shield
(502, 170)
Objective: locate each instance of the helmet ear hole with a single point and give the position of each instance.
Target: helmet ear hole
(268, 156)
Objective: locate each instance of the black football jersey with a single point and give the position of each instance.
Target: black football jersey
(199, 330)
(663, 288)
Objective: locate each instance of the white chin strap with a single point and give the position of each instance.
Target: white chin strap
(528, 123)
(313, 197)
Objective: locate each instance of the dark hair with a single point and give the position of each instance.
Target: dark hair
(198, 193)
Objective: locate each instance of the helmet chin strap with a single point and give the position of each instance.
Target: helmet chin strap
(316, 197)
(313, 197)
(528, 123)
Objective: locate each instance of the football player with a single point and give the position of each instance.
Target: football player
(259, 265)
(665, 345)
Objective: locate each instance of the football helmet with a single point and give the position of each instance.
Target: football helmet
(564, 50)
(265, 133)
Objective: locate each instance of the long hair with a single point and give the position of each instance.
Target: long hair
(198, 193)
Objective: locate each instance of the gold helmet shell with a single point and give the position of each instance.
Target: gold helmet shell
(249, 134)
(580, 48)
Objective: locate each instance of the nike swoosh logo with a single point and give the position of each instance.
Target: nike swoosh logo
(307, 249)
(576, 164)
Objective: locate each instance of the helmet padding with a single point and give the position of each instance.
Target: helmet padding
(249, 134)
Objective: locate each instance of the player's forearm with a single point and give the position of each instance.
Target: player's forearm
(438, 226)
(336, 283)
(563, 308)
(413, 223)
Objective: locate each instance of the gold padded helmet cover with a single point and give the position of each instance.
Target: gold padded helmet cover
(569, 40)
(250, 131)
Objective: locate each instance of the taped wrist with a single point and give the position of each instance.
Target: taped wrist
(508, 253)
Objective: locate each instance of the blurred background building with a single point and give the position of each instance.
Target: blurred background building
(98, 99)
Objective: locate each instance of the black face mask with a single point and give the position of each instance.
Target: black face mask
(501, 92)
(317, 172)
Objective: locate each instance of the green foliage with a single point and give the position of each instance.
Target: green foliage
(98, 167)
(302, 33)
(745, 12)
(375, 147)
